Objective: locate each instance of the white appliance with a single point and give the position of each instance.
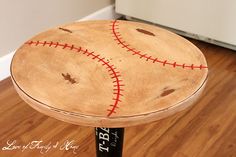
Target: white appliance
(213, 21)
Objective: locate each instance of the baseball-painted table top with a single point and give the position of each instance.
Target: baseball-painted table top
(108, 73)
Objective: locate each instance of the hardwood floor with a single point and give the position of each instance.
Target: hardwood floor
(208, 129)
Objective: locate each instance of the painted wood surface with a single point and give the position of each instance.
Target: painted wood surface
(109, 73)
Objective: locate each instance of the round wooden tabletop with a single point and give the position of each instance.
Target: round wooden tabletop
(108, 73)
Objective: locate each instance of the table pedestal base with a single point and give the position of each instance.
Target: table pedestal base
(109, 142)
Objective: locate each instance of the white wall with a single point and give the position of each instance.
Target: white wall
(21, 19)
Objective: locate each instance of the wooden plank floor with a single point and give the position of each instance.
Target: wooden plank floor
(208, 129)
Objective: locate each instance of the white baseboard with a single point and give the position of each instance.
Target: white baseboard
(102, 14)
(106, 13)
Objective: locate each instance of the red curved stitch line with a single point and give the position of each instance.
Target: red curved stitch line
(117, 37)
(114, 74)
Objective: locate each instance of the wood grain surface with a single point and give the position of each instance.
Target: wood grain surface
(109, 73)
(207, 129)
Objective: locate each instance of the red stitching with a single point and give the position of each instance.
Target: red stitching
(164, 63)
(120, 41)
(44, 43)
(115, 75)
(72, 47)
(174, 65)
(56, 44)
(37, 43)
(78, 49)
(86, 51)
